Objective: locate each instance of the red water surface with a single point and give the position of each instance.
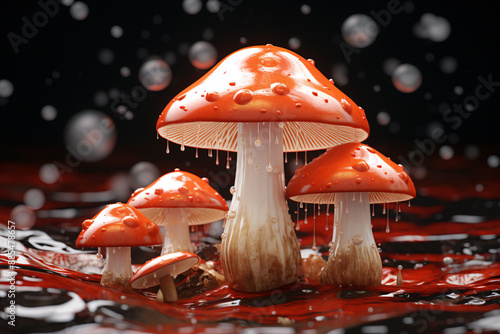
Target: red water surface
(451, 272)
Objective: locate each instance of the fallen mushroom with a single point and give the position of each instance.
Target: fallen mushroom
(159, 271)
(351, 176)
(176, 201)
(118, 227)
(261, 101)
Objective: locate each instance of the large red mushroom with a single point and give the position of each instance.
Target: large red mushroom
(118, 227)
(261, 101)
(351, 176)
(176, 201)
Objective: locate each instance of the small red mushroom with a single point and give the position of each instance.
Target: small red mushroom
(177, 200)
(261, 101)
(159, 271)
(118, 227)
(351, 176)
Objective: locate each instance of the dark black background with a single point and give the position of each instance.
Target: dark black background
(71, 48)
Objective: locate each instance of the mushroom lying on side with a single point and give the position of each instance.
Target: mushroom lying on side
(351, 176)
(159, 271)
(176, 201)
(261, 101)
(118, 227)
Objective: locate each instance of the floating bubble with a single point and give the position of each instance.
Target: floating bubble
(376, 88)
(458, 90)
(420, 173)
(49, 113)
(434, 129)
(192, 7)
(90, 136)
(6, 88)
(472, 152)
(305, 9)
(79, 11)
(208, 34)
(447, 260)
(157, 19)
(448, 65)
(116, 31)
(390, 65)
(430, 26)
(125, 71)
(120, 186)
(243, 40)
(143, 173)
(34, 198)
(479, 187)
(101, 98)
(155, 74)
(493, 161)
(23, 216)
(67, 2)
(339, 74)
(49, 173)
(407, 78)
(170, 57)
(106, 56)
(383, 118)
(213, 6)
(359, 30)
(202, 55)
(446, 152)
(294, 43)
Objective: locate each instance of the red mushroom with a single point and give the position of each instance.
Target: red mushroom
(261, 101)
(159, 271)
(118, 227)
(177, 200)
(351, 176)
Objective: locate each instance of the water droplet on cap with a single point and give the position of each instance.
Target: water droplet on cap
(243, 96)
(280, 88)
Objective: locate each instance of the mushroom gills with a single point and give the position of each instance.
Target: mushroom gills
(354, 258)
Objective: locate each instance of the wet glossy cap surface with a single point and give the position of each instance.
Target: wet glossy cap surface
(150, 273)
(263, 84)
(119, 225)
(352, 167)
(182, 190)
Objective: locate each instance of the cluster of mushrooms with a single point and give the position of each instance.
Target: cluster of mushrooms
(261, 102)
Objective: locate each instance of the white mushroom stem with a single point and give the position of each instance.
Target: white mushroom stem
(354, 258)
(176, 236)
(118, 268)
(259, 248)
(167, 291)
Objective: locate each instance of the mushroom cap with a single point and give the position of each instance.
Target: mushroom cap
(119, 225)
(352, 167)
(181, 190)
(150, 273)
(263, 84)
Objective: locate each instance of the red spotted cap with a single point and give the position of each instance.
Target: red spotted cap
(181, 190)
(150, 273)
(263, 84)
(352, 167)
(119, 225)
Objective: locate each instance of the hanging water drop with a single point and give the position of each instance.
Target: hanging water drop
(227, 160)
(383, 210)
(400, 276)
(196, 153)
(232, 190)
(387, 229)
(217, 157)
(168, 147)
